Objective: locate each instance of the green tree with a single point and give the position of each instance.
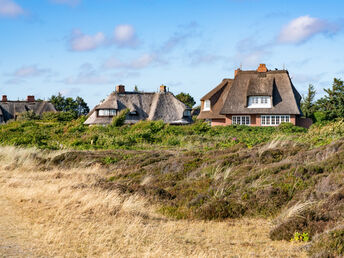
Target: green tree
(332, 104)
(78, 106)
(186, 99)
(307, 104)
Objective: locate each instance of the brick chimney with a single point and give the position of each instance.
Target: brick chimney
(162, 88)
(30, 98)
(236, 72)
(120, 89)
(4, 98)
(262, 68)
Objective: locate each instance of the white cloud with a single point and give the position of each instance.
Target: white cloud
(303, 28)
(68, 2)
(125, 36)
(83, 42)
(29, 71)
(9, 8)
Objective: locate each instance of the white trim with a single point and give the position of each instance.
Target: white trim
(259, 102)
(274, 120)
(207, 105)
(241, 120)
(107, 112)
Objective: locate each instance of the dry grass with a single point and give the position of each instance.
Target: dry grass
(63, 213)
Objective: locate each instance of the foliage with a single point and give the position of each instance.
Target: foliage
(186, 99)
(300, 237)
(78, 106)
(329, 244)
(58, 116)
(120, 118)
(308, 104)
(319, 116)
(332, 104)
(290, 128)
(27, 116)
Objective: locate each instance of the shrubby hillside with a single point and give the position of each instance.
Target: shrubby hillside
(197, 172)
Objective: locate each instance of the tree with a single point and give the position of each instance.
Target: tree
(78, 106)
(307, 103)
(186, 99)
(332, 104)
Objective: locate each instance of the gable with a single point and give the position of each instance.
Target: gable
(277, 84)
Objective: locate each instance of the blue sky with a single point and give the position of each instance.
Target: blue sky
(86, 47)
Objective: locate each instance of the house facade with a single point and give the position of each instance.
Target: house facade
(259, 97)
(9, 109)
(162, 105)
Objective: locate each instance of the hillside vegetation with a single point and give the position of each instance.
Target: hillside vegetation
(198, 173)
(55, 131)
(56, 209)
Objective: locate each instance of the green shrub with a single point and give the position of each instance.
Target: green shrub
(300, 237)
(290, 128)
(27, 116)
(59, 116)
(319, 116)
(119, 119)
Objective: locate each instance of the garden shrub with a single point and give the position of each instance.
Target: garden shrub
(119, 119)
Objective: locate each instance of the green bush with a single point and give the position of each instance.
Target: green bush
(290, 128)
(27, 116)
(119, 119)
(319, 116)
(59, 116)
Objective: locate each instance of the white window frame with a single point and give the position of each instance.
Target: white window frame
(107, 112)
(241, 120)
(274, 120)
(259, 102)
(207, 105)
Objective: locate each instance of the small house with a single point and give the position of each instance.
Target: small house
(9, 109)
(162, 105)
(259, 97)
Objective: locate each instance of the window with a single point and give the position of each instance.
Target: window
(187, 113)
(206, 106)
(271, 120)
(241, 120)
(106, 112)
(259, 102)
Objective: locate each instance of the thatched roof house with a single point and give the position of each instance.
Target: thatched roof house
(260, 97)
(9, 109)
(161, 105)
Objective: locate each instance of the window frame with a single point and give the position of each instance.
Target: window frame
(241, 120)
(274, 120)
(106, 112)
(259, 102)
(187, 113)
(207, 105)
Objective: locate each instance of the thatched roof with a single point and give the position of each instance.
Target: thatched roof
(9, 109)
(277, 84)
(143, 106)
(217, 97)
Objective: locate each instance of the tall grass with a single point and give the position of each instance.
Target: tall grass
(68, 214)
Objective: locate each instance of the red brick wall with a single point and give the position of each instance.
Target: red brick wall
(255, 120)
(215, 122)
(304, 122)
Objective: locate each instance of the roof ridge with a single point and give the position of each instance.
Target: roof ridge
(153, 107)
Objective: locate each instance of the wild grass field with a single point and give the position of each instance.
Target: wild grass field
(64, 212)
(168, 190)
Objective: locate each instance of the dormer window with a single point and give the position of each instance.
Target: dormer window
(259, 102)
(206, 106)
(107, 112)
(187, 113)
(133, 113)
